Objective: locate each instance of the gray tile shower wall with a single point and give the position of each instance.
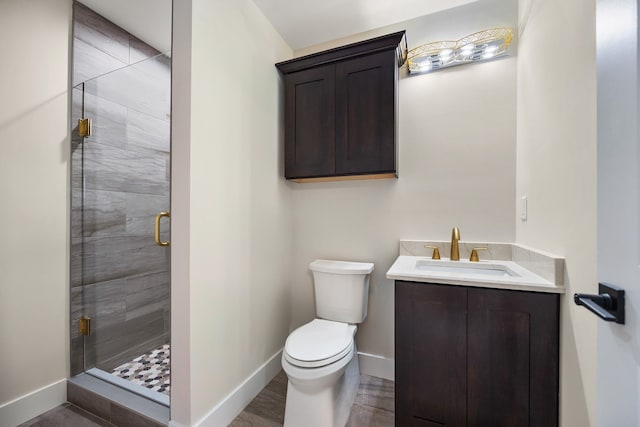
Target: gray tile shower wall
(120, 181)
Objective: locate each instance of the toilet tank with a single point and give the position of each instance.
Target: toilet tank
(342, 289)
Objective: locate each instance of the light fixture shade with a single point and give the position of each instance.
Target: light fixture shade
(476, 47)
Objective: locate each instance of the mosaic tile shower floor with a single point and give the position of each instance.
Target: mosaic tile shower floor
(150, 370)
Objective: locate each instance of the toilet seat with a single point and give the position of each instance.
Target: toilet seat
(319, 343)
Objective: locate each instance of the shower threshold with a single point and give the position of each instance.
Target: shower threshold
(132, 387)
(110, 401)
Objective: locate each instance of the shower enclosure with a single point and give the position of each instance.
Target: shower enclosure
(120, 183)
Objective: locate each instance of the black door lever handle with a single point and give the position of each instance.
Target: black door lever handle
(596, 304)
(608, 304)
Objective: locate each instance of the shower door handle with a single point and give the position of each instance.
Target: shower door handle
(158, 217)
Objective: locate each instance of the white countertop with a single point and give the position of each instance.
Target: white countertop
(518, 278)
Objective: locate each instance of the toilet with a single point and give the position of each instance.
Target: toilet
(320, 357)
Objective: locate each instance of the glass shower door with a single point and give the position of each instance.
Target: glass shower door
(120, 276)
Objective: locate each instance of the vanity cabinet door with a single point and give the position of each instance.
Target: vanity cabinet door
(431, 357)
(310, 122)
(512, 358)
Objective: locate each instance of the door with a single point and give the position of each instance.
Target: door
(366, 90)
(618, 378)
(512, 358)
(431, 355)
(120, 183)
(310, 123)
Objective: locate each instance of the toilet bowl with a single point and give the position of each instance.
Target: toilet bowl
(321, 391)
(320, 358)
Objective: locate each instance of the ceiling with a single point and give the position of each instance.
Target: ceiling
(304, 23)
(301, 23)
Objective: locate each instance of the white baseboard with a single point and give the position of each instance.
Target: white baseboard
(225, 411)
(229, 408)
(33, 404)
(377, 366)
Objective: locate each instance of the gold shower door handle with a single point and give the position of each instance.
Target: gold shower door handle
(158, 217)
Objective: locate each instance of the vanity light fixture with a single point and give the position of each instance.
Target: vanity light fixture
(481, 46)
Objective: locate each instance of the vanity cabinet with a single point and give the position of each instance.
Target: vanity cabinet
(340, 110)
(468, 356)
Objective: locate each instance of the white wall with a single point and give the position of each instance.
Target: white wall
(556, 169)
(231, 262)
(456, 168)
(34, 294)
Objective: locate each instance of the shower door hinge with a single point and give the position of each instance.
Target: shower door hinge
(84, 326)
(84, 127)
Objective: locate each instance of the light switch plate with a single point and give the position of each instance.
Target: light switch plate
(523, 208)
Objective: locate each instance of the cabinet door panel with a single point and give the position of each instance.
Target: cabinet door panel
(310, 123)
(365, 114)
(513, 358)
(430, 333)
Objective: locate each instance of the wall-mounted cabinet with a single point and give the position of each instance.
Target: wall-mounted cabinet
(340, 111)
(468, 356)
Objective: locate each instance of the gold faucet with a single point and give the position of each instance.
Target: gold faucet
(455, 250)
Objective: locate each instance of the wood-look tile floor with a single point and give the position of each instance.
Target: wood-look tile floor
(66, 415)
(374, 405)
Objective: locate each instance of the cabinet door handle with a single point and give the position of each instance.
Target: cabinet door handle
(158, 217)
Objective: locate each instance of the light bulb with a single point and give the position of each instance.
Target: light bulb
(445, 54)
(491, 49)
(467, 49)
(424, 66)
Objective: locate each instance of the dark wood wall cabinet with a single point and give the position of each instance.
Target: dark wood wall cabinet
(340, 111)
(478, 357)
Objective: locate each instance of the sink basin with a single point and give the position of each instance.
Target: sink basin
(458, 267)
(498, 274)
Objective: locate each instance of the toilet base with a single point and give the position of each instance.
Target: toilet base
(329, 407)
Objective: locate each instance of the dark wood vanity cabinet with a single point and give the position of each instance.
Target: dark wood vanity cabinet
(340, 110)
(478, 357)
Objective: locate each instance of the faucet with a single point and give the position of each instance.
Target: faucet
(455, 250)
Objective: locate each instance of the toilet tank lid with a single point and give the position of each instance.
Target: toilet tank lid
(341, 267)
